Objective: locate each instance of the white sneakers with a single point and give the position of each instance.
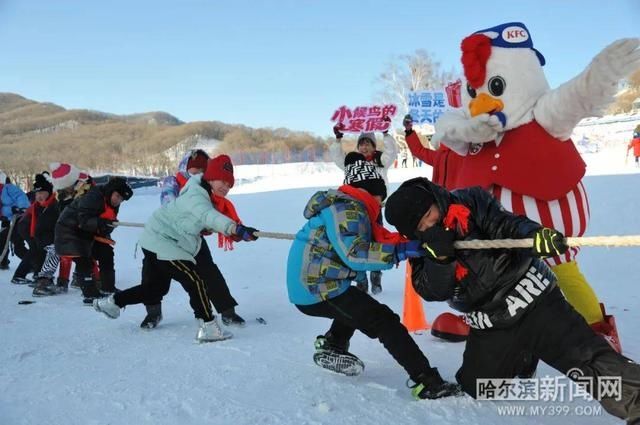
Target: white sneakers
(207, 331)
(107, 306)
(211, 331)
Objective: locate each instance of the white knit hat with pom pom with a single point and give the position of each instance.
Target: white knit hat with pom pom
(63, 175)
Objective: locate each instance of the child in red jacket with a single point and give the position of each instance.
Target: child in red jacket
(635, 145)
(444, 161)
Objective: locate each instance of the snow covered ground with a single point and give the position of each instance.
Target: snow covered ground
(62, 363)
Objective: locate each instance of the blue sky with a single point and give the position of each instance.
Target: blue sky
(266, 63)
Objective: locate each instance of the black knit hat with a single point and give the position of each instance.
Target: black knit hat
(406, 206)
(358, 172)
(42, 183)
(120, 185)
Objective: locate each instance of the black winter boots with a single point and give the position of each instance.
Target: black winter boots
(430, 385)
(230, 318)
(89, 289)
(154, 316)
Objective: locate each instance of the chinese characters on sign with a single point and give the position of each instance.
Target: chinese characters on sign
(425, 107)
(550, 388)
(364, 118)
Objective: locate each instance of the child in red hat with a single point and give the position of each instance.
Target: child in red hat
(195, 267)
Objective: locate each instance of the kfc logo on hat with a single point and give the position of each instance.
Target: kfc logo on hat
(515, 34)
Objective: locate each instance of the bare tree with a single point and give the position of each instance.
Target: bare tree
(405, 73)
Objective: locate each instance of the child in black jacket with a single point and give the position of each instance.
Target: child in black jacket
(516, 312)
(83, 232)
(36, 226)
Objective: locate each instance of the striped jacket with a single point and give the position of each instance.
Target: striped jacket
(387, 157)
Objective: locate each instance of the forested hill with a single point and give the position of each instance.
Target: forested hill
(32, 134)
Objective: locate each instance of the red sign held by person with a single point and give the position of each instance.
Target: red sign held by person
(364, 118)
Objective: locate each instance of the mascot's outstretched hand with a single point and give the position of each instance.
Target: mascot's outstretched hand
(616, 61)
(456, 130)
(591, 91)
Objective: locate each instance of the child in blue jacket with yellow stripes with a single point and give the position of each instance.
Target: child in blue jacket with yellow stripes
(341, 240)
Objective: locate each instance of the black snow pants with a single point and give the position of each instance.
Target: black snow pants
(103, 254)
(31, 259)
(356, 310)
(17, 243)
(156, 280)
(555, 333)
(216, 286)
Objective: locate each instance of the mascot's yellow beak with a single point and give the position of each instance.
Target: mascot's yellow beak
(485, 104)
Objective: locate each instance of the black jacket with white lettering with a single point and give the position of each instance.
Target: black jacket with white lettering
(486, 281)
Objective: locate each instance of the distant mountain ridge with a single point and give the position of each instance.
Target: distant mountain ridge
(32, 134)
(19, 114)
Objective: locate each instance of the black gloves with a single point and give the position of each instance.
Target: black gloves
(246, 233)
(337, 130)
(549, 243)
(437, 241)
(17, 210)
(105, 226)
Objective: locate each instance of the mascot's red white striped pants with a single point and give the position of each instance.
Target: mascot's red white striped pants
(569, 214)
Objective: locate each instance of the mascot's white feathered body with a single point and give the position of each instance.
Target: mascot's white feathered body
(514, 133)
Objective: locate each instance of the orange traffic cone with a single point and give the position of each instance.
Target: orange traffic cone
(413, 317)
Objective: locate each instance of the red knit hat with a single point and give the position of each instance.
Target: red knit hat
(219, 168)
(198, 159)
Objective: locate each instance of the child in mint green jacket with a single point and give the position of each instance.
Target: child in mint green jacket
(171, 241)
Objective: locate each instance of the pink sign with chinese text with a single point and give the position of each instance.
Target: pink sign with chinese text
(364, 118)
